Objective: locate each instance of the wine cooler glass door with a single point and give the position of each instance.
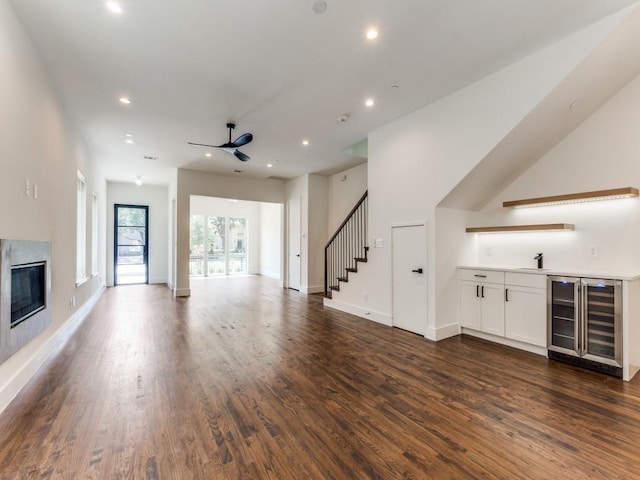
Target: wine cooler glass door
(602, 334)
(564, 320)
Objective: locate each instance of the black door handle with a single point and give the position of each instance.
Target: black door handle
(417, 270)
(298, 255)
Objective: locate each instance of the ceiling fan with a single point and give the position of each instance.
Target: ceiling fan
(232, 147)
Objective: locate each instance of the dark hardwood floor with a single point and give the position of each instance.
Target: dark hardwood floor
(244, 380)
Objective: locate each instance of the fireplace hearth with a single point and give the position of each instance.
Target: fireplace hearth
(25, 291)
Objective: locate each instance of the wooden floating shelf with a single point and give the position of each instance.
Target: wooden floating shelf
(545, 227)
(610, 194)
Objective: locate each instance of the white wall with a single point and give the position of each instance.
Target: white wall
(345, 189)
(318, 213)
(271, 240)
(156, 198)
(417, 160)
(190, 182)
(601, 153)
(38, 142)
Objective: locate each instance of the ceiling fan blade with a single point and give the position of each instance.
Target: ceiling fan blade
(242, 140)
(201, 144)
(241, 156)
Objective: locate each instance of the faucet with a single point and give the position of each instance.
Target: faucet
(538, 257)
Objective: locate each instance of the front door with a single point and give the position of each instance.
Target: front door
(410, 278)
(294, 242)
(131, 260)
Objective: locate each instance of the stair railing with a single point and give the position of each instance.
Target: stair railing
(346, 248)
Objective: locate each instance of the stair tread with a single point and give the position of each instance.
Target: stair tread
(351, 269)
(335, 287)
(344, 279)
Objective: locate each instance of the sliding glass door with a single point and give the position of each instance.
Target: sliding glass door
(218, 245)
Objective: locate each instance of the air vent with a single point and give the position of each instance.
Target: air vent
(149, 157)
(238, 171)
(274, 177)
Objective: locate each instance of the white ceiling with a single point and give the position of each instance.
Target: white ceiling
(276, 68)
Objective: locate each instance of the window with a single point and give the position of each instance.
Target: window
(81, 230)
(94, 235)
(217, 245)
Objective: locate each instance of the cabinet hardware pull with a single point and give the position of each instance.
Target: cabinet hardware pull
(480, 276)
(482, 291)
(506, 294)
(477, 290)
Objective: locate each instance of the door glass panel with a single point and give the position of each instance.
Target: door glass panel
(196, 245)
(216, 246)
(563, 315)
(237, 245)
(600, 321)
(131, 244)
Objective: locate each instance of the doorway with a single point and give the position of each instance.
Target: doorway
(131, 253)
(409, 254)
(293, 222)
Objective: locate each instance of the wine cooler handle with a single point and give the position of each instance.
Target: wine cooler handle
(580, 326)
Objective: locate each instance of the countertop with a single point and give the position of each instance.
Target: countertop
(559, 273)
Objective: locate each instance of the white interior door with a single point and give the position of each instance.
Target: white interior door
(294, 242)
(409, 247)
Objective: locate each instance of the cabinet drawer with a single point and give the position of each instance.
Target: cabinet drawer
(533, 280)
(485, 276)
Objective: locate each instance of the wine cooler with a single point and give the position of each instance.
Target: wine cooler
(585, 322)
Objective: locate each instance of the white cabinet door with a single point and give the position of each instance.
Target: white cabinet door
(526, 315)
(470, 305)
(492, 299)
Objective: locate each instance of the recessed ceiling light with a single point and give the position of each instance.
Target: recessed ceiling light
(125, 100)
(269, 165)
(372, 34)
(305, 142)
(138, 180)
(114, 7)
(207, 155)
(128, 135)
(369, 102)
(128, 140)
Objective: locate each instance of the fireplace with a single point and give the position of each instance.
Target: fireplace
(28, 287)
(25, 291)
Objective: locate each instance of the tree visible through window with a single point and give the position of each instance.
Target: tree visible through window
(217, 245)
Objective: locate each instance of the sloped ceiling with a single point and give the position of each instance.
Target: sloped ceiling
(612, 65)
(274, 67)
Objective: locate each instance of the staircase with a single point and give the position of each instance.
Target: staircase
(346, 248)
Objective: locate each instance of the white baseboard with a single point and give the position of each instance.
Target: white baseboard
(377, 317)
(506, 341)
(441, 333)
(311, 289)
(157, 280)
(181, 292)
(24, 365)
